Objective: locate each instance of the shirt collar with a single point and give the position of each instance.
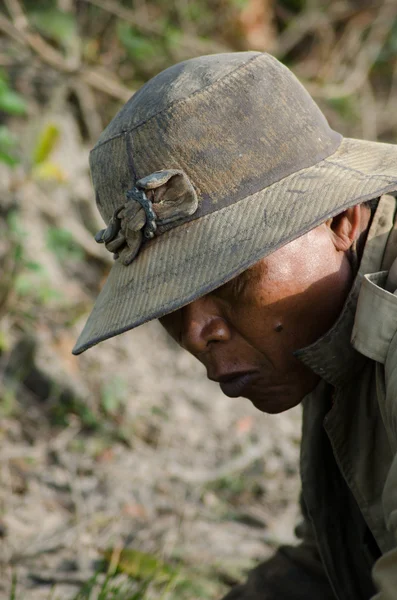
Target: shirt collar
(332, 356)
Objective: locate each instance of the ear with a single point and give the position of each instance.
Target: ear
(345, 228)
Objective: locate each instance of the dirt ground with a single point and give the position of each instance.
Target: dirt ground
(129, 444)
(200, 477)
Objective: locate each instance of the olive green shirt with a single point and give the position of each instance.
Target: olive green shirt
(349, 438)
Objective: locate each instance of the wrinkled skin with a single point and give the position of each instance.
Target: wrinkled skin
(246, 331)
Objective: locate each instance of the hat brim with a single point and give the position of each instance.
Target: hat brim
(193, 259)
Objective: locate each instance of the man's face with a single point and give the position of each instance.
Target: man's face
(245, 332)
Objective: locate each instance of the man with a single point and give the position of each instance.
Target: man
(264, 242)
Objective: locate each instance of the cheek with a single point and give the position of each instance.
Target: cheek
(307, 296)
(302, 263)
(266, 325)
(298, 297)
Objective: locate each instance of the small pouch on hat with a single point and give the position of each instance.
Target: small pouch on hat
(155, 201)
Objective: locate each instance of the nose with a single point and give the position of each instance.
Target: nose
(203, 325)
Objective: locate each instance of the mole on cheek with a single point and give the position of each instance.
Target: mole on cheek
(278, 327)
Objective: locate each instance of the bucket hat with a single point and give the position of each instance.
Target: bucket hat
(213, 164)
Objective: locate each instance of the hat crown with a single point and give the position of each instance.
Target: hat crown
(234, 123)
(174, 84)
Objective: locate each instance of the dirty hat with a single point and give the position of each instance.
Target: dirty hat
(213, 164)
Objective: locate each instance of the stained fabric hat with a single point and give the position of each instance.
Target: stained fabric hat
(213, 164)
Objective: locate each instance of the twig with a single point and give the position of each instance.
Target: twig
(46, 52)
(311, 20)
(17, 14)
(6, 61)
(87, 104)
(9, 29)
(368, 112)
(127, 15)
(390, 105)
(190, 43)
(345, 50)
(101, 80)
(342, 81)
(298, 28)
(367, 56)
(104, 81)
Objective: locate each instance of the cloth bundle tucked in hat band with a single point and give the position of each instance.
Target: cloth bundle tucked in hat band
(157, 200)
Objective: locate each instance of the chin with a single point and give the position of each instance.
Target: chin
(276, 404)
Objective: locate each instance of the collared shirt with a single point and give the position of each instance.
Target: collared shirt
(332, 356)
(345, 453)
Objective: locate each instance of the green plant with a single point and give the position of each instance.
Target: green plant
(11, 103)
(138, 46)
(8, 402)
(13, 586)
(27, 278)
(114, 395)
(67, 404)
(8, 145)
(135, 575)
(46, 142)
(111, 589)
(57, 25)
(346, 106)
(61, 242)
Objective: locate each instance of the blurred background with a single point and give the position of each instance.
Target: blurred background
(124, 474)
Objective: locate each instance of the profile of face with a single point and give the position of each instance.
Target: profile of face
(245, 332)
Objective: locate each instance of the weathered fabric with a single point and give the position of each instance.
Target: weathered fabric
(262, 159)
(349, 448)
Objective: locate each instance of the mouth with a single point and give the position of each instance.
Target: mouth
(234, 384)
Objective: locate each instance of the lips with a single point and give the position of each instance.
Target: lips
(234, 384)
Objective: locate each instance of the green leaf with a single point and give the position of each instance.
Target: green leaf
(3, 82)
(346, 106)
(46, 142)
(8, 143)
(18, 253)
(14, 224)
(4, 341)
(141, 565)
(138, 47)
(113, 395)
(8, 159)
(48, 171)
(62, 243)
(8, 403)
(173, 37)
(24, 285)
(58, 25)
(11, 102)
(34, 266)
